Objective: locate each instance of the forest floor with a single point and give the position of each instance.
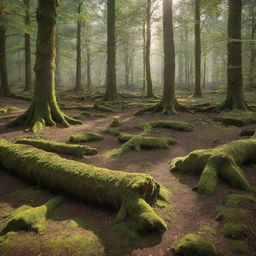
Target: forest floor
(75, 228)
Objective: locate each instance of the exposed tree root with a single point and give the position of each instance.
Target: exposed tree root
(40, 115)
(219, 163)
(62, 148)
(167, 109)
(26, 218)
(137, 142)
(236, 121)
(85, 137)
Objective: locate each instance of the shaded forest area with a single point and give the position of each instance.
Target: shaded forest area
(127, 128)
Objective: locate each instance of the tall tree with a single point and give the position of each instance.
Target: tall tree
(149, 83)
(4, 89)
(78, 85)
(27, 46)
(111, 86)
(197, 91)
(235, 95)
(44, 110)
(168, 103)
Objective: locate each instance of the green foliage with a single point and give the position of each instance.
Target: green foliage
(194, 245)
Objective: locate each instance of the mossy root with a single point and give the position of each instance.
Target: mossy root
(31, 218)
(86, 182)
(85, 137)
(219, 163)
(62, 148)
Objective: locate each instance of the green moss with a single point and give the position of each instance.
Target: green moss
(137, 142)
(228, 214)
(112, 131)
(234, 230)
(209, 230)
(238, 200)
(3, 110)
(85, 137)
(135, 192)
(30, 218)
(115, 122)
(24, 194)
(174, 125)
(218, 163)
(236, 121)
(62, 148)
(239, 247)
(194, 245)
(146, 164)
(4, 238)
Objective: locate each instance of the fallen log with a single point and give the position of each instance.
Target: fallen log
(133, 194)
(62, 148)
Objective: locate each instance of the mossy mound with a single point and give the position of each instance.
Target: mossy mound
(8, 110)
(138, 142)
(236, 121)
(227, 214)
(241, 200)
(194, 245)
(174, 125)
(30, 218)
(218, 163)
(85, 137)
(234, 230)
(74, 241)
(61, 148)
(115, 122)
(120, 190)
(239, 247)
(24, 194)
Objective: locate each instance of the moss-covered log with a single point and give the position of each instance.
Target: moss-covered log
(62, 148)
(26, 218)
(85, 137)
(236, 121)
(219, 163)
(131, 193)
(137, 142)
(174, 125)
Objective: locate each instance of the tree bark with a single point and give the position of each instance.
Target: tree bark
(197, 90)
(235, 95)
(149, 83)
(57, 75)
(144, 56)
(44, 110)
(88, 62)
(28, 70)
(4, 89)
(111, 90)
(78, 86)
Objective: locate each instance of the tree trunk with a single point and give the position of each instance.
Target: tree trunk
(186, 57)
(235, 95)
(111, 90)
(148, 48)
(27, 46)
(44, 110)
(88, 62)
(197, 91)
(78, 86)
(144, 56)
(252, 82)
(58, 75)
(126, 66)
(4, 89)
